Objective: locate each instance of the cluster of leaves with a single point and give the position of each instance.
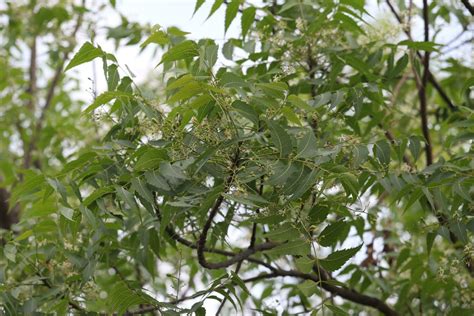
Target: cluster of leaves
(303, 153)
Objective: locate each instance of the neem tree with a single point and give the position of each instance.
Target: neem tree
(326, 169)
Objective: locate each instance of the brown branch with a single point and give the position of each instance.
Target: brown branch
(431, 77)
(49, 96)
(344, 292)
(468, 6)
(32, 86)
(201, 243)
(50, 286)
(422, 88)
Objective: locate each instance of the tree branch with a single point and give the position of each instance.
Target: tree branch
(49, 95)
(201, 243)
(422, 89)
(468, 6)
(431, 77)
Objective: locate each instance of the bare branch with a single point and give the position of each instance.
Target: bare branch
(468, 6)
(49, 95)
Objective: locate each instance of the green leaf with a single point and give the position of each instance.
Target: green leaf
(415, 147)
(157, 180)
(248, 199)
(332, 233)
(294, 247)
(360, 153)
(248, 17)
(280, 138)
(307, 145)
(122, 296)
(382, 151)
(86, 53)
(246, 111)
(425, 46)
(299, 103)
(399, 66)
(231, 13)
(350, 184)
(151, 159)
(283, 233)
(281, 172)
(126, 196)
(305, 184)
(217, 4)
(304, 264)
(97, 194)
(113, 77)
(336, 310)
(199, 3)
(183, 50)
(157, 37)
(140, 187)
(338, 258)
(105, 98)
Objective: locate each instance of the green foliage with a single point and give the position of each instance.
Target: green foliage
(297, 169)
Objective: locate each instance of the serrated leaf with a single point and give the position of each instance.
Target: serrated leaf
(151, 159)
(280, 138)
(399, 66)
(306, 146)
(350, 184)
(217, 4)
(331, 234)
(294, 247)
(283, 233)
(336, 310)
(140, 187)
(425, 46)
(382, 151)
(113, 77)
(122, 296)
(105, 98)
(86, 53)
(248, 199)
(183, 50)
(298, 102)
(360, 153)
(248, 17)
(157, 37)
(305, 184)
(157, 180)
(126, 196)
(231, 13)
(97, 194)
(281, 172)
(246, 111)
(304, 264)
(199, 3)
(338, 258)
(415, 147)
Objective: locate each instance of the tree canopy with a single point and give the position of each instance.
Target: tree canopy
(319, 163)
